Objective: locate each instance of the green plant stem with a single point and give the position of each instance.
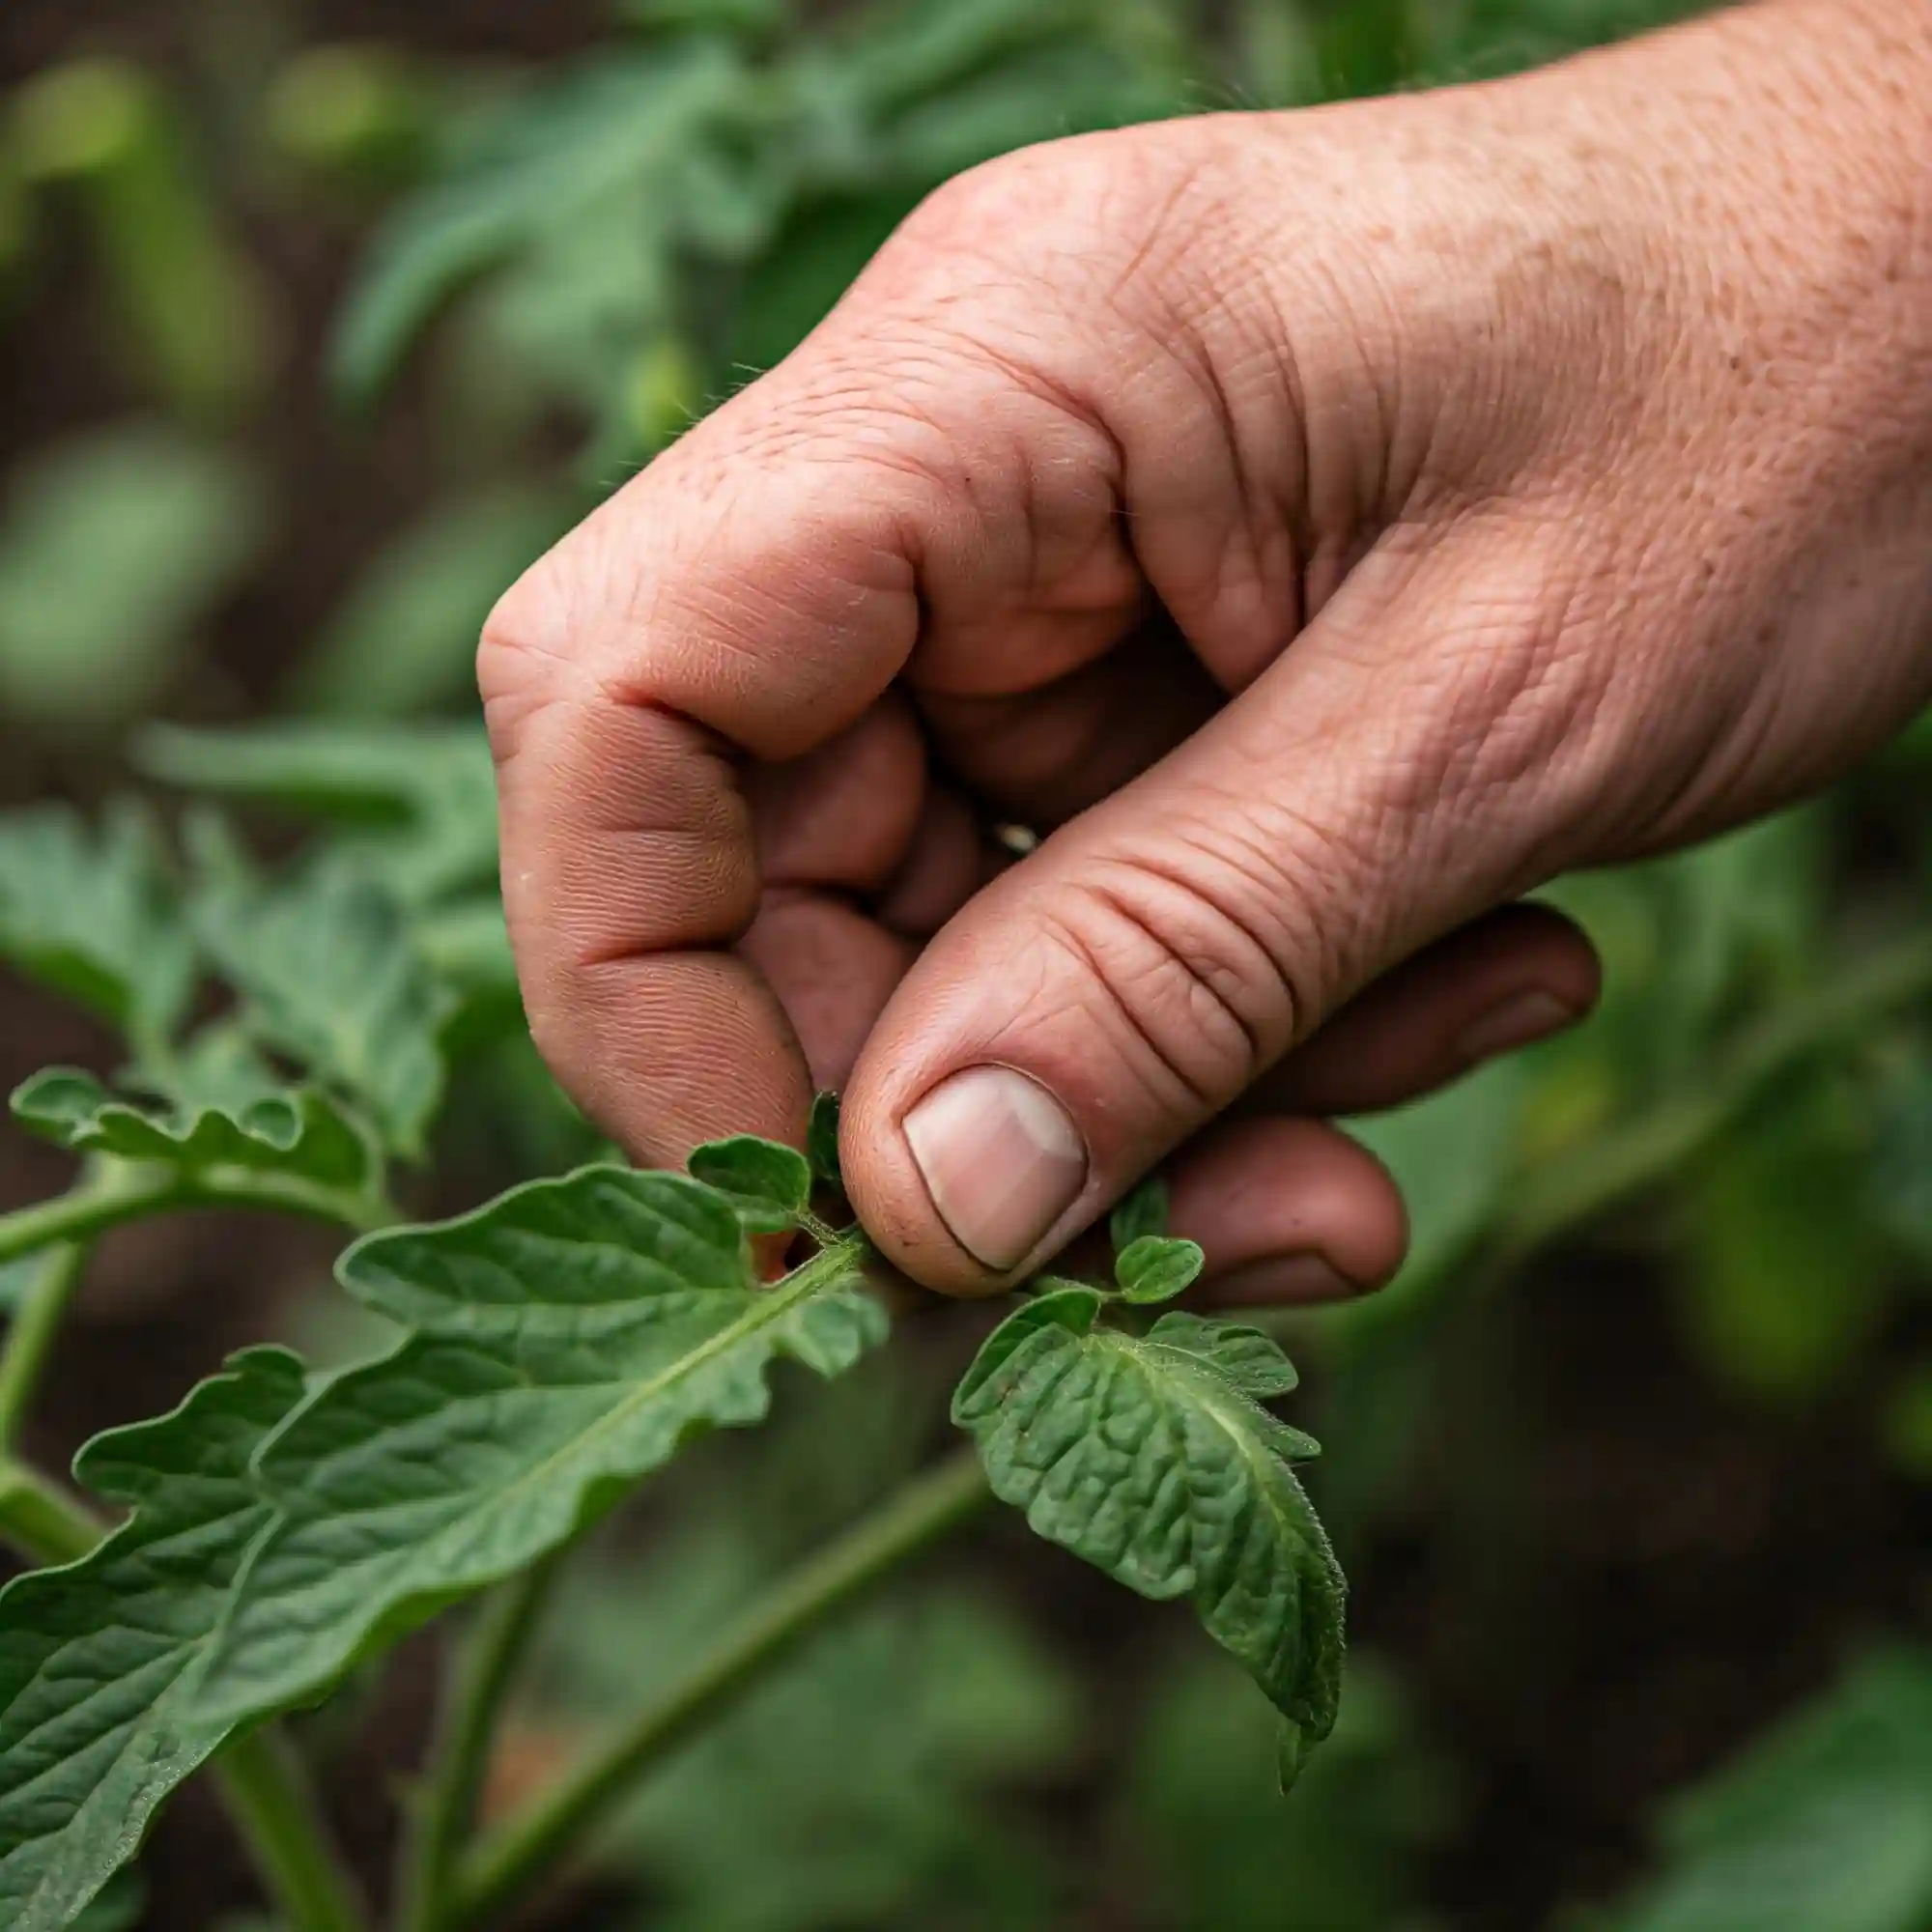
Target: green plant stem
(1567, 1193)
(262, 1782)
(473, 1706)
(30, 1335)
(123, 1192)
(265, 1789)
(528, 1849)
(41, 1522)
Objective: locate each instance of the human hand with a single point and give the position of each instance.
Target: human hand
(1335, 525)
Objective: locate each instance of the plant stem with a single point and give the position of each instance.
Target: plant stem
(41, 1522)
(262, 1782)
(30, 1335)
(126, 1192)
(473, 1706)
(265, 1788)
(527, 1850)
(1567, 1193)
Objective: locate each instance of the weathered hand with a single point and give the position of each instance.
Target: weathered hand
(1334, 523)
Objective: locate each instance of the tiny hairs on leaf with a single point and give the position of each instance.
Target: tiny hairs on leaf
(1141, 1216)
(1151, 1457)
(1155, 1268)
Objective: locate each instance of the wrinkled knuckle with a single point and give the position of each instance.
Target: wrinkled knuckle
(993, 209)
(1191, 991)
(523, 653)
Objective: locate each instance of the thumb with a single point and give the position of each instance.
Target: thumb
(1108, 996)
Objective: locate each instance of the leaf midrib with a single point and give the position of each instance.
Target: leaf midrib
(823, 1270)
(1217, 1397)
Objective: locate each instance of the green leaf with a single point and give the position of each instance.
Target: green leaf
(1155, 1268)
(568, 1338)
(769, 1185)
(296, 1131)
(101, 1661)
(1151, 1457)
(543, 164)
(416, 804)
(1822, 1824)
(821, 1140)
(328, 974)
(1140, 1216)
(115, 547)
(93, 916)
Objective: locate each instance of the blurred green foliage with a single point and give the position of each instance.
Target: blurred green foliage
(1822, 1824)
(559, 265)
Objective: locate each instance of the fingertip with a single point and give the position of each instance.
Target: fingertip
(1287, 1211)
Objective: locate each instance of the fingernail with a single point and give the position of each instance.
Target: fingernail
(1281, 1280)
(1517, 1021)
(1001, 1159)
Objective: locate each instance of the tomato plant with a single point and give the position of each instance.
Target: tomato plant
(1604, 1527)
(554, 1347)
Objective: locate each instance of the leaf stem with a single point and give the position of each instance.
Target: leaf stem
(527, 1849)
(30, 1335)
(473, 1704)
(262, 1782)
(126, 1191)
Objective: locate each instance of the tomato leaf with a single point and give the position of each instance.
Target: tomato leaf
(295, 1130)
(1141, 1217)
(93, 916)
(101, 1661)
(567, 1339)
(821, 1140)
(615, 138)
(1154, 1268)
(768, 1184)
(415, 804)
(1151, 1457)
(328, 974)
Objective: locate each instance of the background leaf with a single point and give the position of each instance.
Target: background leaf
(330, 974)
(1824, 1824)
(416, 804)
(113, 548)
(93, 916)
(297, 1131)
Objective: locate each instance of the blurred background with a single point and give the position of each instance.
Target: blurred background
(317, 323)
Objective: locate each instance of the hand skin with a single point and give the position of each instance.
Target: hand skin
(1330, 526)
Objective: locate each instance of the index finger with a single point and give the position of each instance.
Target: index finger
(752, 592)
